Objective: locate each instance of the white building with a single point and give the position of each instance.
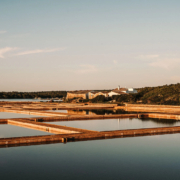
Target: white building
(131, 90)
(119, 91)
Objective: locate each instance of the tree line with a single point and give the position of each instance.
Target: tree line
(32, 95)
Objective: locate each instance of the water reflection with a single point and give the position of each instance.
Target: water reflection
(99, 111)
(61, 111)
(162, 121)
(118, 124)
(94, 111)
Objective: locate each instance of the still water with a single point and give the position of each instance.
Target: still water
(34, 100)
(62, 111)
(7, 130)
(139, 158)
(95, 111)
(5, 115)
(118, 124)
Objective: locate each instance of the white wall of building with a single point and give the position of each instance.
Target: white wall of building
(113, 94)
(128, 91)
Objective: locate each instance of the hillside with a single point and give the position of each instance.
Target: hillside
(167, 95)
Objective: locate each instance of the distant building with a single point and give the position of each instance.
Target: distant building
(78, 94)
(119, 91)
(94, 94)
(131, 90)
(88, 94)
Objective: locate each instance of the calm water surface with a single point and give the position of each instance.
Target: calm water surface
(118, 124)
(62, 111)
(35, 100)
(94, 111)
(5, 115)
(139, 158)
(7, 130)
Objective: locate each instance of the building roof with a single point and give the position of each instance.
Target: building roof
(105, 91)
(94, 92)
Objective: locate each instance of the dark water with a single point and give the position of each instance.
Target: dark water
(139, 158)
(7, 130)
(34, 100)
(101, 111)
(5, 115)
(21, 100)
(62, 111)
(95, 111)
(118, 124)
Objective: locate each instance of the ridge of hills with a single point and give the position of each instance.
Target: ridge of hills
(165, 95)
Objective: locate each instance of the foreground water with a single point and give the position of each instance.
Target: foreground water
(118, 124)
(34, 100)
(139, 158)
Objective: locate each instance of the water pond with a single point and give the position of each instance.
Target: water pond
(94, 111)
(138, 158)
(118, 124)
(6, 115)
(7, 130)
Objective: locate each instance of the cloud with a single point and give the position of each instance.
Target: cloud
(155, 60)
(87, 69)
(167, 63)
(5, 50)
(39, 51)
(2, 32)
(150, 56)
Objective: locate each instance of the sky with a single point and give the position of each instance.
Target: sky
(88, 44)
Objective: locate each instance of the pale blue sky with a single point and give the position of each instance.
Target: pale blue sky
(88, 44)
